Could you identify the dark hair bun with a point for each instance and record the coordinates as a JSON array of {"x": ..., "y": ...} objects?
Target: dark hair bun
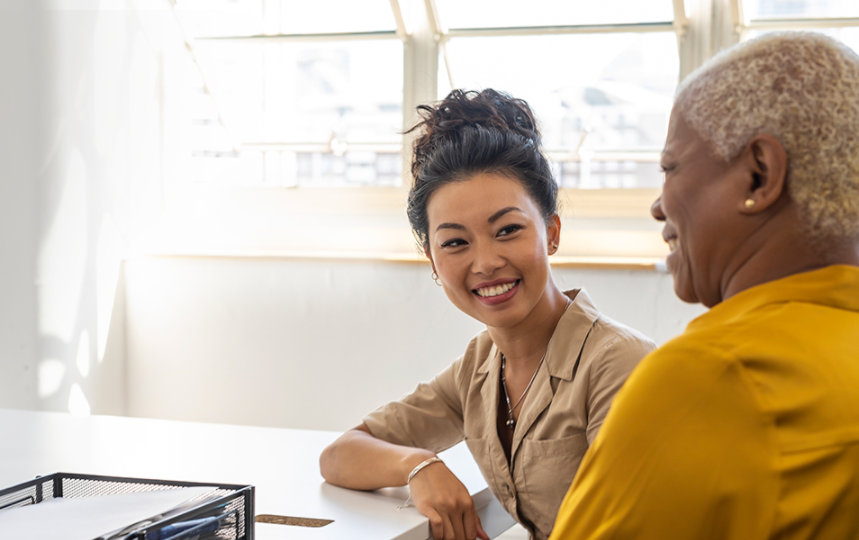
[
  {"x": 488, "y": 108},
  {"x": 472, "y": 132}
]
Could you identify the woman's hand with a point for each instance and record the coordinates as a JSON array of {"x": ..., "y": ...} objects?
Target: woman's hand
[
  {"x": 357, "y": 460},
  {"x": 439, "y": 495}
]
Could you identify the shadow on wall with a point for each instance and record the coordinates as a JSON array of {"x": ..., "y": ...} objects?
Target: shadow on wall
[{"x": 99, "y": 181}]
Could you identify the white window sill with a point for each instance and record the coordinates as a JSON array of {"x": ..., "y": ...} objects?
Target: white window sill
[{"x": 601, "y": 228}]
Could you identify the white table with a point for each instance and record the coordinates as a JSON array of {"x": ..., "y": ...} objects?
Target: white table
[{"x": 282, "y": 464}]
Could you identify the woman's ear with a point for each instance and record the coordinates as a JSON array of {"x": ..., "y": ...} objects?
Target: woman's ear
[
  {"x": 768, "y": 173},
  {"x": 553, "y": 233},
  {"x": 429, "y": 256}
]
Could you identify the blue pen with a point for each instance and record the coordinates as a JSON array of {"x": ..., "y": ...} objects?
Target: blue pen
[{"x": 187, "y": 529}]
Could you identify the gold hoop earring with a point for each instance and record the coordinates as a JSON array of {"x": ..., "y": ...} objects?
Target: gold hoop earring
[
  {"x": 749, "y": 203},
  {"x": 435, "y": 278}
]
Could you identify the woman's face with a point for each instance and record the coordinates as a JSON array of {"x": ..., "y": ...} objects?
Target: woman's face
[
  {"x": 489, "y": 244},
  {"x": 697, "y": 206}
]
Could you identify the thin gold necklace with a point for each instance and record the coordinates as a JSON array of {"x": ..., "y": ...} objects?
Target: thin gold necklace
[{"x": 511, "y": 422}]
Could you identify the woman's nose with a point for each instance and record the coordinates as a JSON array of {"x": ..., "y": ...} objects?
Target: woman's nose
[
  {"x": 486, "y": 258},
  {"x": 656, "y": 209}
]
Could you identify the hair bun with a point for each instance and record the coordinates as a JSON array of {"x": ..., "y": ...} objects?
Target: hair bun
[
  {"x": 490, "y": 109},
  {"x": 471, "y": 132}
]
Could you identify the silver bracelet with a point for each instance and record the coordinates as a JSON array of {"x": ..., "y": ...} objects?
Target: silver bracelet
[{"x": 421, "y": 465}]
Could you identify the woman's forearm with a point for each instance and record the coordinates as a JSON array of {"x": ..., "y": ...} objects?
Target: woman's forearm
[{"x": 357, "y": 460}]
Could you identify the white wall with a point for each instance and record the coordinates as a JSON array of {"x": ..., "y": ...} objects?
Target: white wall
[
  {"x": 18, "y": 225},
  {"x": 317, "y": 344},
  {"x": 81, "y": 153}
]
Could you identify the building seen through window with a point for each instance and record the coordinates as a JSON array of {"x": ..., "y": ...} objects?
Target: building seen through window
[
  {"x": 307, "y": 94},
  {"x": 319, "y": 102}
]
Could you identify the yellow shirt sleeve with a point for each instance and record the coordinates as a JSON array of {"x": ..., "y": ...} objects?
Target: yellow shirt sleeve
[{"x": 686, "y": 452}]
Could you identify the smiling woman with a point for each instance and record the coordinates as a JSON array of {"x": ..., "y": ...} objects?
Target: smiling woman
[
  {"x": 700, "y": 234},
  {"x": 490, "y": 249},
  {"x": 530, "y": 393},
  {"x": 747, "y": 424}
]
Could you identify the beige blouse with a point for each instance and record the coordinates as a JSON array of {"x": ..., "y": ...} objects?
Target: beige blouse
[{"x": 588, "y": 359}]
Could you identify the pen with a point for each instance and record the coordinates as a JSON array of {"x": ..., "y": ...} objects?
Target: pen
[
  {"x": 125, "y": 531},
  {"x": 185, "y": 529}
]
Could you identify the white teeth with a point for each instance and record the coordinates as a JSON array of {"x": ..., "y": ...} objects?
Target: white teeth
[
  {"x": 672, "y": 244},
  {"x": 495, "y": 290}
]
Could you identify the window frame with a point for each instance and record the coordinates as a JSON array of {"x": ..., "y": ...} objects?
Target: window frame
[{"x": 702, "y": 27}]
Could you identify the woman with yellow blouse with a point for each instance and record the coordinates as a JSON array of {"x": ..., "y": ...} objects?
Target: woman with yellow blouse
[
  {"x": 746, "y": 426},
  {"x": 530, "y": 393}
]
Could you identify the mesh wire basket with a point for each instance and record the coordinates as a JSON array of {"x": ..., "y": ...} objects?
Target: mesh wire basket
[{"x": 224, "y": 513}]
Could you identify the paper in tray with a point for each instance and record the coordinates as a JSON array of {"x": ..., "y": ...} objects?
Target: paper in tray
[{"x": 68, "y": 506}]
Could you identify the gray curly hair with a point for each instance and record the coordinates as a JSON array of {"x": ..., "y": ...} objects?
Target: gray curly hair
[{"x": 803, "y": 89}]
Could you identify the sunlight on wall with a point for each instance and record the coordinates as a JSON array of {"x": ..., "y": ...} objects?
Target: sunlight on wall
[
  {"x": 51, "y": 375},
  {"x": 108, "y": 263},
  {"x": 83, "y": 357},
  {"x": 78, "y": 403},
  {"x": 62, "y": 258},
  {"x": 108, "y": 63}
]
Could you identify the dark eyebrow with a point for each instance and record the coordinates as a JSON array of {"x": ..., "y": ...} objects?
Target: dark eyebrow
[
  {"x": 450, "y": 226},
  {"x": 497, "y": 215},
  {"x": 492, "y": 219}
]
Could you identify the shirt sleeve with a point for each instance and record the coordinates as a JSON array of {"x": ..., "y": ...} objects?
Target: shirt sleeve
[
  {"x": 685, "y": 452},
  {"x": 430, "y": 417}
]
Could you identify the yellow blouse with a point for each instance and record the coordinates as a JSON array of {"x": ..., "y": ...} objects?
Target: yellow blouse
[
  {"x": 588, "y": 359},
  {"x": 744, "y": 427}
]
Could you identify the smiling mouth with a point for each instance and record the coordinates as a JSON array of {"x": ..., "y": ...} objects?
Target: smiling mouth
[
  {"x": 672, "y": 243},
  {"x": 495, "y": 290}
]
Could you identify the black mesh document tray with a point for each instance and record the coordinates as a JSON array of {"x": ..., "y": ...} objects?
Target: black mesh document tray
[{"x": 225, "y": 513}]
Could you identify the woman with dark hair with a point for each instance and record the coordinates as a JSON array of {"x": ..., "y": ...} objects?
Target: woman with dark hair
[{"x": 530, "y": 392}]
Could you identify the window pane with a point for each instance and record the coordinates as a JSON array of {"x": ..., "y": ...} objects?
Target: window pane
[
  {"x": 608, "y": 173},
  {"x": 358, "y": 168},
  {"x": 307, "y": 92},
  {"x": 251, "y": 17},
  {"x": 849, "y": 36},
  {"x": 593, "y": 94},
  {"x": 515, "y": 13},
  {"x": 302, "y": 112},
  {"x": 793, "y": 9}
]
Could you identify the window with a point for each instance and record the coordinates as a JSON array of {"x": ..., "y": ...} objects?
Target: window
[
  {"x": 602, "y": 99},
  {"x": 837, "y": 18},
  {"x": 296, "y": 104},
  {"x": 600, "y": 77},
  {"x": 295, "y": 94},
  {"x": 312, "y": 94}
]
